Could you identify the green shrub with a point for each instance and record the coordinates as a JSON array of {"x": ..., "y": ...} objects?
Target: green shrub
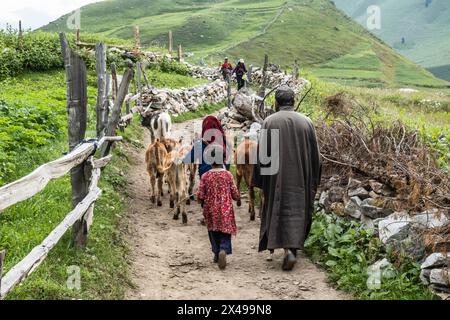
[
  {"x": 41, "y": 51},
  {"x": 22, "y": 129},
  {"x": 10, "y": 62},
  {"x": 347, "y": 250},
  {"x": 35, "y": 51},
  {"x": 170, "y": 66}
]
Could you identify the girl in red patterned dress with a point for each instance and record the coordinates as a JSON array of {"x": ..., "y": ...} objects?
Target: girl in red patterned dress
[{"x": 217, "y": 192}]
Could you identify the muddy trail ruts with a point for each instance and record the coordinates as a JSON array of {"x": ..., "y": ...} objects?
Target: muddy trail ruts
[{"x": 173, "y": 261}]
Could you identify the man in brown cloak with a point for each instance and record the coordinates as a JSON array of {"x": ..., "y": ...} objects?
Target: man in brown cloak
[{"x": 289, "y": 179}]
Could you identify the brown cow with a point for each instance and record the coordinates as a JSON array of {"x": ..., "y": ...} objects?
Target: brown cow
[
  {"x": 176, "y": 172},
  {"x": 246, "y": 152},
  {"x": 154, "y": 159},
  {"x": 191, "y": 171}
]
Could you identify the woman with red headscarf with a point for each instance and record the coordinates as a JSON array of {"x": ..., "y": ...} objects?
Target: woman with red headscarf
[
  {"x": 212, "y": 133},
  {"x": 216, "y": 194}
]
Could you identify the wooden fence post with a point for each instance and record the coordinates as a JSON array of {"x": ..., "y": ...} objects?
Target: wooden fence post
[
  {"x": 139, "y": 71},
  {"x": 102, "y": 95},
  {"x": 76, "y": 75},
  {"x": 108, "y": 100},
  {"x": 296, "y": 70},
  {"x": 20, "y": 39},
  {"x": 78, "y": 37},
  {"x": 262, "y": 92},
  {"x": 180, "y": 53},
  {"x": 114, "y": 81},
  {"x": 2, "y": 258},
  {"x": 137, "y": 39},
  {"x": 115, "y": 115},
  {"x": 170, "y": 42}
]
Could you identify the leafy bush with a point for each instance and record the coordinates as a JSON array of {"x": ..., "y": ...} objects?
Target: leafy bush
[
  {"x": 439, "y": 141},
  {"x": 35, "y": 51},
  {"x": 170, "y": 66},
  {"x": 41, "y": 51},
  {"x": 10, "y": 63},
  {"x": 23, "y": 129},
  {"x": 347, "y": 250}
]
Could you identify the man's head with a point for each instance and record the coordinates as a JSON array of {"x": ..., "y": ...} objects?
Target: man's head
[
  {"x": 284, "y": 97},
  {"x": 226, "y": 59}
]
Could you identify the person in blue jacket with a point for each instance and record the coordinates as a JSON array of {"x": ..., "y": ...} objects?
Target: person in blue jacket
[{"x": 212, "y": 132}]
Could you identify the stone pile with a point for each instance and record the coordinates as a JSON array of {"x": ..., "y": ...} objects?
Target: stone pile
[
  {"x": 178, "y": 101},
  {"x": 376, "y": 206},
  {"x": 276, "y": 78},
  {"x": 240, "y": 115},
  {"x": 198, "y": 72},
  {"x": 436, "y": 272},
  {"x": 154, "y": 57}
]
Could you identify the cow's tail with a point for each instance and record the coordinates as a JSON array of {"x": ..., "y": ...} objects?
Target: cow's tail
[
  {"x": 165, "y": 124},
  {"x": 159, "y": 164},
  {"x": 147, "y": 157},
  {"x": 177, "y": 178}
]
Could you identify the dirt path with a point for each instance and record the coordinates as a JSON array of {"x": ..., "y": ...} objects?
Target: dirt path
[{"x": 172, "y": 261}]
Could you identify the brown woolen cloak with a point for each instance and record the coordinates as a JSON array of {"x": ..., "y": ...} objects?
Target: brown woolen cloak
[{"x": 289, "y": 194}]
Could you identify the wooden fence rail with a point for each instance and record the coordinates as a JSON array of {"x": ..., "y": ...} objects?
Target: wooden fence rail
[
  {"x": 36, "y": 181},
  {"x": 80, "y": 163}
]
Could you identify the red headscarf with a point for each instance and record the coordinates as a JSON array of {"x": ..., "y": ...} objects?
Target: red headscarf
[{"x": 212, "y": 123}]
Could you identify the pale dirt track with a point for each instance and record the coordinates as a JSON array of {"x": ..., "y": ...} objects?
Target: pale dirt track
[{"x": 172, "y": 261}]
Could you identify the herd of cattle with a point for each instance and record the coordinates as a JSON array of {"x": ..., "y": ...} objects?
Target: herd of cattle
[{"x": 164, "y": 164}]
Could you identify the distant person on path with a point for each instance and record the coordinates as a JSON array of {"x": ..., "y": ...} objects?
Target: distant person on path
[
  {"x": 240, "y": 71},
  {"x": 290, "y": 192},
  {"x": 226, "y": 69},
  {"x": 216, "y": 194}
]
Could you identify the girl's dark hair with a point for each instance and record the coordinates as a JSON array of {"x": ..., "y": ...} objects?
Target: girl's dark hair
[{"x": 217, "y": 154}]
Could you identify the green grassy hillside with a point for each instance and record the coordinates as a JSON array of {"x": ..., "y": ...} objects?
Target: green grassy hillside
[
  {"x": 424, "y": 25},
  {"x": 322, "y": 38}
]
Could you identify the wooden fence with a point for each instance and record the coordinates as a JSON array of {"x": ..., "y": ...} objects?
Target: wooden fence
[
  {"x": 84, "y": 168},
  {"x": 80, "y": 162}
]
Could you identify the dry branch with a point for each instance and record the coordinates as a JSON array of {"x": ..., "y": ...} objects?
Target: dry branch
[{"x": 352, "y": 141}]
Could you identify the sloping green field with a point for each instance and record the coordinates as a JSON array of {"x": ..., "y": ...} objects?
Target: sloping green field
[
  {"x": 424, "y": 25},
  {"x": 322, "y": 38}
]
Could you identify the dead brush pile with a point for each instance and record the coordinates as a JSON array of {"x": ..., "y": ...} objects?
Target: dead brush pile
[{"x": 354, "y": 142}]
